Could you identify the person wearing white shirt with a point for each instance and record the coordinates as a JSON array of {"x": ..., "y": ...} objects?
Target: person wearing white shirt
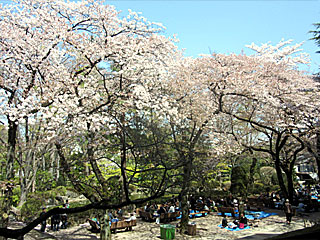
[{"x": 171, "y": 209}]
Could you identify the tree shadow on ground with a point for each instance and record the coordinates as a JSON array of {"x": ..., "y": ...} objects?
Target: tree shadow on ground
[{"x": 259, "y": 236}]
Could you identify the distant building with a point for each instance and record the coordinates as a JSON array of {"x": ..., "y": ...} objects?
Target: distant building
[{"x": 305, "y": 169}]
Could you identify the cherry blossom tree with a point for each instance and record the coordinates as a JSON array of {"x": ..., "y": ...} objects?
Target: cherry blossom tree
[
  {"x": 267, "y": 91},
  {"x": 80, "y": 69},
  {"x": 194, "y": 125}
]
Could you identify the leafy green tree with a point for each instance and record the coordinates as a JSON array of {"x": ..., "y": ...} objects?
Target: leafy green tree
[
  {"x": 239, "y": 181},
  {"x": 316, "y": 34}
]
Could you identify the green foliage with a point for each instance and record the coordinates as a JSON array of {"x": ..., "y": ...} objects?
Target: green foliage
[
  {"x": 35, "y": 201},
  {"x": 79, "y": 218},
  {"x": 16, "y": 195},
  {"x": 32, "y": 207},
  {"x": 59, "y": 191},
  {"x": 239, "y": 181},
  {"x": 223, "y": 171},
  {"x": 316, "y": 34},
  {"x": 226, "y": 185},
  {"x": 259, "y": 188},
  {"x": 44, "y": 180},
  {"x": 268, "y": 175}
]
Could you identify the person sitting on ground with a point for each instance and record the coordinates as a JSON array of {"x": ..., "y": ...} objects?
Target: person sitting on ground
[
  {"x": 208, "y": 202},
  {"x": 96, "y": 221},
  {"x": 243, "y": 221},
  {"x": 200, "y": 200},
  {"x": 206, "y": 208},
  {"x": 95, "y": 225},
  {"x": 224, "y": 222},
  {"x": 300, "y": 207},
  {"x": 232, "y": 225}
]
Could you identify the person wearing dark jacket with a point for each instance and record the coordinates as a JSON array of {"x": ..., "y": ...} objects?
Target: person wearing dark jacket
[
  {"x": 64, "y": 219},
  {"x": 161, "y": 209},
  {"x": 243, "y": 220},
  {"x": 288, "y": 211},
  {"x": 44, "y": 222},
  {"x": 55, "y": 221},
  {"x": 224, "y": 222}
]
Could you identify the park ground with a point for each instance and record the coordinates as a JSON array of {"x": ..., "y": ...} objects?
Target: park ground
[{"x": 207, "y": 228}]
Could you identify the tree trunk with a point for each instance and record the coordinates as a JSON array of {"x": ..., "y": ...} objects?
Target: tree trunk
[
  {"x": 28, "y": 169},
  {"x": 317, "y": 156},
  {"x": 290, "y": 186},
  {"x": 123, "y": 178},
  {"x": 280, "y": 178},
  {"x": 6, "y": 202},
  {"x": 184, "y": 196},
  {"x": 5, "y": 206},
  {"x": 76, "y": 184},
  {"x": 251, "y": 182},
  {"x": 12, "y": 140},
  {"x": 23, "y": 197},
  {"x": 105, "y": 233}
]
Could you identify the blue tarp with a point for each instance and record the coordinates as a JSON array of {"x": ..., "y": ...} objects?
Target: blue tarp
[
  {"x": 252, "y": 214},
  {"x": 195, "y": 215},
  {"x": 236, "y": 229},
  {"x": 315, "y": 197}
]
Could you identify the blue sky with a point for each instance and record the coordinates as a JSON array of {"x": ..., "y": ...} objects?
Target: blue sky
[{"x": 227, "y": 26}]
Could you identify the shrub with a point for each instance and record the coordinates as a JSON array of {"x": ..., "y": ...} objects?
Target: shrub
[
  {"x": 226, "y": 185},
  {"x": 78, "y": 218},
  {"x": 259, "y": 187},
  {"x": 239, "y": 181},
  {"x": 32, "y": 208},
  {"x": 16, "y": 195},
  {"x": 35, "y": 201}
]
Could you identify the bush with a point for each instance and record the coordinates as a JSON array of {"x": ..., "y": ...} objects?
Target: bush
[
  {"x": 79, "y": 218},
  {"x": 259, "y": 187},
  {"x": 16, "y": 195},
  {"x": 35, "y": 201},
  {"x": 239, "y": 181},
  {"x": 32, "y": 207},
  {"x": 226, "y": 185},
  {"x": 218, "y": 194}
]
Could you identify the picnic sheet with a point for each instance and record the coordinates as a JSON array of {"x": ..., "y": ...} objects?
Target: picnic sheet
[
  {"x": 195, "y": 215},
  {"x": 236, "y": 229},
  {"x": 315, "y": 197},
  {"x": 252, "y": 214}
]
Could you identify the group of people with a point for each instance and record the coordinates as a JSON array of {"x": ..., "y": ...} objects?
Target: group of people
[
  {"x": 114, "y": 216},
  {"x": 56, "y": 219},
  {"x": 164, "y": 208},
  {"x": 117, "y": 215},
  {"x": 158, "y": 210},
  {"x": 242, "y": 222}
]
